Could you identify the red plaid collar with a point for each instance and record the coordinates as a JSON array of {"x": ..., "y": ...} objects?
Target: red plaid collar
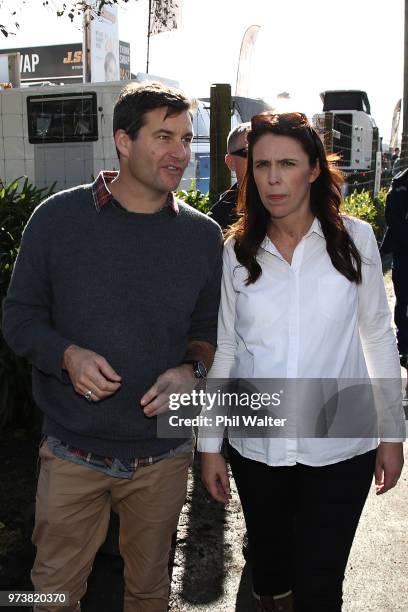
[{"x": 102, "y": 195}]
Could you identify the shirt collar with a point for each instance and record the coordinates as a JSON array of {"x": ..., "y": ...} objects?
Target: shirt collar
[
  {"x": 102, "y": 195},
  {"x": 315, "y": 228}
]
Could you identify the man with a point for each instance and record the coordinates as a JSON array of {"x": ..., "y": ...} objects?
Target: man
[
  {"x": 395, "y": 155},
  {"x": 114, "y": 300},
  {"x": 224, "y": 210},
  {"x": 396, "y": 242}
]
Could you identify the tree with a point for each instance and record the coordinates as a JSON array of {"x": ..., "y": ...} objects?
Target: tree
[{"x": 68, "y": 9}]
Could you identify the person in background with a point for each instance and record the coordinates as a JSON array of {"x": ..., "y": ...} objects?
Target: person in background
[
  {"x": 224, "y": 210},
  {"x": 110, "y": 67},
  {"x": 114, "y": 300},
  {"x": 396, "y": 242},
  {"x": 302, "y": 299},
  {"x": 395, "y": 155}
]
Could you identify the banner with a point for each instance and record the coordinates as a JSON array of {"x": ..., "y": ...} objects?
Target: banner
[
  {"x": 55, "y": 63},
  {"x": 395, "y": 125},
  {"x": 61, "y": 63},
  {"x": 104, "y": 46},
  {"x": 245, "y": 60},
  {"x": 124, "y": 61},
  {"x": 164, "y": 15}
]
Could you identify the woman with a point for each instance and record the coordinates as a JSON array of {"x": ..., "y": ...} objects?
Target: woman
[{"x": 302, "y": 298}]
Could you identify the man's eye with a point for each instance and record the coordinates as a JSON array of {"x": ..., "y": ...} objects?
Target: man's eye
[
  {"x": 261, "y": 164},
  {"x": 188, "y": 140},
  {"x": 163, "y": 137},
  {"x": 287, "y": 162}
]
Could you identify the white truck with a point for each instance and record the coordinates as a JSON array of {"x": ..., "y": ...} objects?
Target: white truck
[
  {"x": 348, "y": 130},
  {"x": 63, "y": 134}
]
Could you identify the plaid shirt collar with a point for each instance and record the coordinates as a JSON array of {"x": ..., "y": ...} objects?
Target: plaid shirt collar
[{"x": 102, "y": 195}]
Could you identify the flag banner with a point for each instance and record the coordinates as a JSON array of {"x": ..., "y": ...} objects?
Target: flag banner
[
  {"x": 245, "y": 61},
  {"x": 164, "y": 15},
  {"x": 395, "y": 125}
]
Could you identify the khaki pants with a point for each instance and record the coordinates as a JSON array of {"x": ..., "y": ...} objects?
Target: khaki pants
[{"x": 72, "y": 515}]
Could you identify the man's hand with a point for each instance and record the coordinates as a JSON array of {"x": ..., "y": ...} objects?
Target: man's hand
[
  {"x": 388, "y": 466},
  {"x": 89, "y": 371},
  {"x": 176, "y": 380},
  {"x": 214, "y": 475}
]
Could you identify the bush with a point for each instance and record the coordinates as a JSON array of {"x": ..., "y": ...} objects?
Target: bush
[
  {"x": 361, "y": 205},
  {"x": 195, "y": 198},
  {"x": 17, "y": 202}
]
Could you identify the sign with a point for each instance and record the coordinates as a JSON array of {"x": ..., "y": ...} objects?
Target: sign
[
  {"x": 55, "y": 63},
  {"x": 104, "y": 46},
  {"x": 124, "y": 61},
  {"x": 60, "y": 63}
]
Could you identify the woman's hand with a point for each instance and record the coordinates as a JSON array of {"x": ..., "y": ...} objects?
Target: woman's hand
[
  {"x": 214, "y": 475},
  {"x": 388, "y": 466}
]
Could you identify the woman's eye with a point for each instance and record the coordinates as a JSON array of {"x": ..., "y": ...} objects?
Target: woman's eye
[{"x": 163, "y": 137}]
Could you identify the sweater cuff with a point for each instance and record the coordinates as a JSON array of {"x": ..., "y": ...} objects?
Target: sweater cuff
[{"x": 51, "y": 360}]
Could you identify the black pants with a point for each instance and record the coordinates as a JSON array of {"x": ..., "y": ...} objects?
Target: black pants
[
  {"x": 400, "y": 281},
  {"x": 301, "y": 522}
]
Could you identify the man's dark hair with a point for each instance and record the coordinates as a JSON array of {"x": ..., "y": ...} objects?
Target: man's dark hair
[{"x": 137, "y": 99}]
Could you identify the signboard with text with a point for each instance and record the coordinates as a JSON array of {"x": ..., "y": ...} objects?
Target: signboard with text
[
  {"x": 61, "y": 63},
  {"x": 104, "y": 46},
  {"x": 55, "y": 63}
]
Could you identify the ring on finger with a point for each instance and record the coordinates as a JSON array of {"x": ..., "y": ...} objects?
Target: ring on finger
[{"x": 88, "y": 395}]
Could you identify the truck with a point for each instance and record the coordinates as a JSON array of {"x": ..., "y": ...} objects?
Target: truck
[
  {"x": 62, "y": 134},
  {"x": 349, "y": 131}
]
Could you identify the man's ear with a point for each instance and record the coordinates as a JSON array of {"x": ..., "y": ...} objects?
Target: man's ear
[
  {"x": 315, "y": 173},
  {"x": 230, "y": 162},
  {"x": 122, "y": 142}
]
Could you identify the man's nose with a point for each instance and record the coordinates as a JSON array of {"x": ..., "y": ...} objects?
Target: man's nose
[{"x": 180, "y": 150}]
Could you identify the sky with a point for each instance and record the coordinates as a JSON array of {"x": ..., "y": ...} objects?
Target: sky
[{"x": 303, "y": 47}]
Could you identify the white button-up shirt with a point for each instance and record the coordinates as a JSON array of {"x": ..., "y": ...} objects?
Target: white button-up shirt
[{"x": 305, "y": 320}]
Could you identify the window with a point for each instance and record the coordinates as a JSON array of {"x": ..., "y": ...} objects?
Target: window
[
  {"x": 343, "y": 143},
  {"x": 62, "y": 118}
]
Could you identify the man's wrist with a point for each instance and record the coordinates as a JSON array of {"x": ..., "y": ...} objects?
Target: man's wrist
[
  {"x": 188, "y": 368},
  {"x": 67, "y": 354},
  {"x": 198, "y": 367}
]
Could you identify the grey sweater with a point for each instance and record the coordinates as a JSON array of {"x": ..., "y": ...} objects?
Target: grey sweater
[{"x": 135, "y": 288}]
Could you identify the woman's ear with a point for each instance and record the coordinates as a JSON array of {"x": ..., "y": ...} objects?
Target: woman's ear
[{"x": 315, "y": 172}]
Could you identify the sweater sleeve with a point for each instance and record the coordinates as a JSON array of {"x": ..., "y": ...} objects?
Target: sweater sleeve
[
  {"x": 27, "y": 319},
  {"x": 204, "y": 318}
]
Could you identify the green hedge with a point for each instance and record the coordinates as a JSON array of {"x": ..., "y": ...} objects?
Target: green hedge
[
  {"x": 195, "y": 198},
  {"x": 17, "y": 202},
  {"x": 362, "y": 206}
]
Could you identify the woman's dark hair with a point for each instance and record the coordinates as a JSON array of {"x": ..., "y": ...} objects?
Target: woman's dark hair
[{"x": 325, "y": 199}]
